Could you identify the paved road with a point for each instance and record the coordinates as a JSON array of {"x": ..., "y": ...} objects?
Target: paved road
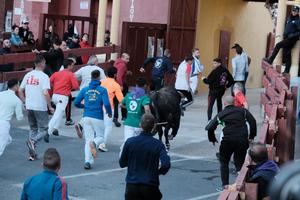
[{"x": 194, "y": 174}]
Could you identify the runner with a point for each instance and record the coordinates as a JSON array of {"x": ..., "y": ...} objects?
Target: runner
[
  {"x": 114, "y": 90},
  {"x": 9, "y": 104},
  {"x": 137, "y": 103},
  {"x": 94, "y": 97},
  {"x": 62, "y": 83},
  {"x": 37, "y": 99}
]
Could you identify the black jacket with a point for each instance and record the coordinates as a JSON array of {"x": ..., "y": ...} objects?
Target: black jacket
[
  {"x": 54, "y": 60},
  {"x": 292, "y": 28},
  {"x": 234, "y": 121},
  {"x": 23, "y": 33},
  {"x": 161, "y": 66},
  {"x": 219, "y": 79},
  {"x": 6, "y": 67}
]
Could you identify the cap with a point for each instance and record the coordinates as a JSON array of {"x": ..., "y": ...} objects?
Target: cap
[
  {"x": 25, "y": 20},
  {"x": 295, "y": 9},
  {"x": 235, "y": 46}
]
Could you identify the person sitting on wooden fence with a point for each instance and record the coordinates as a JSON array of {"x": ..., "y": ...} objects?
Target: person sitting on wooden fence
[
  {"x": 5, "y": 67},
  {"x": 263, "y": 170},
  {"x": 15, "y": 39}
]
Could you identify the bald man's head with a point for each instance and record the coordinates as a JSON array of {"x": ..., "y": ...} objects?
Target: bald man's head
[
  {"x": 228, "y": 100},
  {"x": 258, "y": 152}
]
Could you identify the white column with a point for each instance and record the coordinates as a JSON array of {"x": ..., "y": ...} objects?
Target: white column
[
  {"x": 280, "y": 27},
  {"x": 115, "y": 23},
  {"x": 101, "y": 22}
]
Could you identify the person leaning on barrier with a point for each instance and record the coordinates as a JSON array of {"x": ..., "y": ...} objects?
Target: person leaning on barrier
[
  {"x": 262, "y": 171},
  {"x": 235, "y": 136}
]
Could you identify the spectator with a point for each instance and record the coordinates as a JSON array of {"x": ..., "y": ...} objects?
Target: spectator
[
  {"x": 50, "y": 36},
  {"x": 84, "y": 43},
  {"x": 64, "y": 46},
  {"x": 24, "y": 31},
  {"x": 122, "y": 73},
  {"x": 239, "y": 67},
  {"x": 62, "y": 83},
  {"x": 69, "y": 34},
  {"x": 107, "y": 38},
  {"x": 235, "y": 136},
  {"x": 136, "y": 103},
  {"x": 95, "y": 98},
  {"x": 218, "y": 80},
  {"x": 37, "y": 101},
  {"x": 263, "y": 170},
  {"x": 5, "y": 67},
  {"x": 47, "y": 185},
  {"x": 239, "y": 97},
  {"x": 246, "y": 58},
  {"x": 31, "y": 40},
  {"x": 290, "y": 37},
  {"x": 162, "y": 65},
  {"x": 9, "y": 104},
  {"x": 145, "y": 158},
  {"x": 74, "y": 44},
  {"x": 15, "y": 39}
]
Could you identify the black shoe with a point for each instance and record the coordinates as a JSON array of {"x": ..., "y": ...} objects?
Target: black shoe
[
  {"x": 69, "y": 123},
  {"x": 55, "y": 132},
  {"x": 117, "y": 124},
  {"x": 46, "y": 138},
  {"x": 123, "y": 118},
  {"x": 87, "y": 165},
  {"x": 31, "y": 146}
]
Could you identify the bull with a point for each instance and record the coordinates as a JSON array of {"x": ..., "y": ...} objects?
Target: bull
[{"x": 167, "y": 111}]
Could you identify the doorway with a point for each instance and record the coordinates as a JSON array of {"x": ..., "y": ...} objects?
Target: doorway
[{"x": 224, "y": 47}]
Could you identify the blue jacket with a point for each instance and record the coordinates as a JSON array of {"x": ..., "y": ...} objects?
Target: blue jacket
[
  {"x": 161, "y": 66},
  {"x": 141, "y": 154},
  {"x": 46, "y": 185},
  {"x": 15, "y": 39},
  {"x": 94, "y": 97}
]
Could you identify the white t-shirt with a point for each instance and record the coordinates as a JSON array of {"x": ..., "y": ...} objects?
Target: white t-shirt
[
  {"x": 181, "y": 82},
  {"x": 34, "y": 83},
  {"x": 84, "y": 74},
  {"x": 239, "y": 68}
]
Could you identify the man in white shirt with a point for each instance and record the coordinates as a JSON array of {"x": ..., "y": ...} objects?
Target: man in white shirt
[
  {"x": 84, "y": 73},
  {"x": 239, "y": 67},
  {"x": 197, "y": 68},
  {"x": 183, "y": 83},
  {"x": 9, "y": 104},
  {"x": 37, "y": 101}
]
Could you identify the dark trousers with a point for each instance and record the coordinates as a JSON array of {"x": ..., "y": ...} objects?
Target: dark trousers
[
  {"x": 189, "y": 97},
  {"x": 68, "y": 109},
  {"x": 116, "y": 104},
  {"x": 239, "y": 150},
  {"x": 142, "y": 192},
  {"x": 157, "y": 83},
  {"x": 212, "y": 97},
  {"x": 287, "y": 46}
]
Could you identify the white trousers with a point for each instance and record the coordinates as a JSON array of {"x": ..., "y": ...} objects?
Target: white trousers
[
  {"x": 130, "y": 131},
  {"x": 194, "y": 83},
  {"x": 108, "y": 124},
  {"x": 61, "y": 103},
  {"x": 93, "y": 130},
  {"x": 5, "y": 138}
]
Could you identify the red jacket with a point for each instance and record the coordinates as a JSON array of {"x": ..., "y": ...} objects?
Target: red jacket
[
  {"x": 82, "y": 44},
  {"x": 63, "y": 82},
  {"x": 122, "y": 71}
]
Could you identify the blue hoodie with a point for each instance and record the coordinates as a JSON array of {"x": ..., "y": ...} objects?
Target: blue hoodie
[{"x": 94, "y": 97}]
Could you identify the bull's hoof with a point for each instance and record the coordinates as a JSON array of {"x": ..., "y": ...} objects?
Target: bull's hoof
[{"x": 171, "y": 137}]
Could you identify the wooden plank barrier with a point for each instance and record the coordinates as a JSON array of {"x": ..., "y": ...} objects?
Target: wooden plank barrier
[
  {"x": 23, "y": 62},
  {"x": 277, "y": 131}
]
